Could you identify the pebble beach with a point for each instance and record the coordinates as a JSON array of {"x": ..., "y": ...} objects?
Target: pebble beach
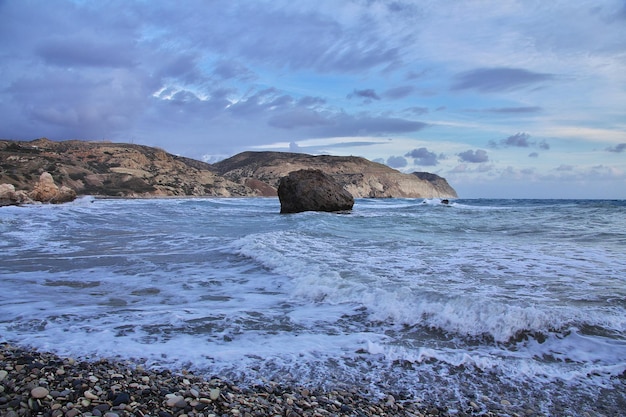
[{"x": 34, "y": 383}]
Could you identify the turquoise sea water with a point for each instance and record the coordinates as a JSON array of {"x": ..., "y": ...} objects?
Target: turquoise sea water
[{"x": 479, "y": 300}]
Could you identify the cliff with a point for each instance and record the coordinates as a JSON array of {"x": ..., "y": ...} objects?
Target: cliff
[{"x": 128, "y": 170}]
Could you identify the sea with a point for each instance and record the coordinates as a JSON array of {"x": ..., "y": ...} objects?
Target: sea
[{"x": 512, "y": 305}]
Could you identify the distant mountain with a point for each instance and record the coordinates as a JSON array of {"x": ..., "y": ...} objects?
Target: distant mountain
[{"x": 128, "y": 170}]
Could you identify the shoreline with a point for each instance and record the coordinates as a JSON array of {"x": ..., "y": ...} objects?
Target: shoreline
[{"x": 33, "y": 382}]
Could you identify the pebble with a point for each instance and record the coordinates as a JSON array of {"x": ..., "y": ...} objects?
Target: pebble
[
  {"x": 173, "y": 400},
  {"x": 73, "y": 413},
  {"x": 39, "y": 392},
  {"x": 115, "y": 389},
  {"x": 90, "y": 395},
  {"x": 214, "y": 394}
]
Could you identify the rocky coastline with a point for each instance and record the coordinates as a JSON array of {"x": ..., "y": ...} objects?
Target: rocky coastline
[
  {"x": 131, "y": 171},
  {"x": 34, "y": 383}
]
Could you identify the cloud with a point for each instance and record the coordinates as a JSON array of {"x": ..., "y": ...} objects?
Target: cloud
[
  {"x": 83, "y": 53},
  {"x": 477, "y": 156},
  {"x": 230, "y": 69},
  {"x": 423, "y": 157},
  {"x": 367, "y": 94},
  {"x": 298, "y": 118},
  {"x": 294, "y": 147},
  {"x": 533, "y": 155},
  {"x": 514, "y": 110},
  {"x": 399, "y": 92},
  {"x": 343, "y": 124},
  {"x": 62, "y": 103},
  {"x": 276, "y": 34},
  {"x": 617, "y": 148},
  {"x": 416, "y": 110},
  {"x": 519, "y": 140},
  {"x": 397, "y": 162},
  {"x": 489, "y": 80}
]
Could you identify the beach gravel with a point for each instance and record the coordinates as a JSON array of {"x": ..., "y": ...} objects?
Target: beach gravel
[{"x": 34, "y": 383}]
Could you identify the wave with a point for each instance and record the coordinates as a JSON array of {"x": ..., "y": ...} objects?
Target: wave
[{"x": 395, "y": 290}]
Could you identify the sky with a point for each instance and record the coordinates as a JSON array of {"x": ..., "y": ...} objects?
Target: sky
[{"x": 503, "y": 98}]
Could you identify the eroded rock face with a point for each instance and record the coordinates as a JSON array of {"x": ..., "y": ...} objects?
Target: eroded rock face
[{"x": 312, "y": 190}]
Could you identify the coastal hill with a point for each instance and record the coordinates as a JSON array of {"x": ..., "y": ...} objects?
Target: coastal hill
[
  {"x": 129, "y": 170},
  {"x": 359, "y": 176}
]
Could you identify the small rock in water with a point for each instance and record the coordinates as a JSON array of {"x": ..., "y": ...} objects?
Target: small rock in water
[
  {"x": 3, "y": 374},
  {"x": 39, "y": 392}
]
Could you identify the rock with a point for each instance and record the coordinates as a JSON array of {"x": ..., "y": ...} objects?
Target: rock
[
  {"x": 121, "y": 398},
  {"x": 45, "y": 189},
  {"x": 3, "y": 374},
  {"x": 65, "y": 195},
  {"x": 10, "y": 197},
  {"x": 90, "y": 395},
  {"x": 312, "y": 190},
  {"x": 174, "y": 400},
  {"x": 214, "y": 394},
  {"x": 39, "y": 392},
  {"x": 440, "y": 186}
]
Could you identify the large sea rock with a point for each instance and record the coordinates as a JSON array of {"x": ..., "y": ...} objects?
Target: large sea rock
[{"x": 312, "y": 190}]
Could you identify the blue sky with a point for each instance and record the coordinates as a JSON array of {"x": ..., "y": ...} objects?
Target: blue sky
[{"x": 511, "y": 99}]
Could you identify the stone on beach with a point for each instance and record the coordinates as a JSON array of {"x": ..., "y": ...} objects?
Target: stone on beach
[
  {"x": 39, "y": 392},
  {"x": 116, "y": 389}
]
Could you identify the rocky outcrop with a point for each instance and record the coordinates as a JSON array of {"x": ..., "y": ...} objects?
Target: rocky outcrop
[
  {"x": 10, "y": 197},
  {"x": 438, "y": 183},
  {"x": 312, "y": 190},
  {"x": 46, "y": 191},
  {"x": 359, "y": 176}
]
